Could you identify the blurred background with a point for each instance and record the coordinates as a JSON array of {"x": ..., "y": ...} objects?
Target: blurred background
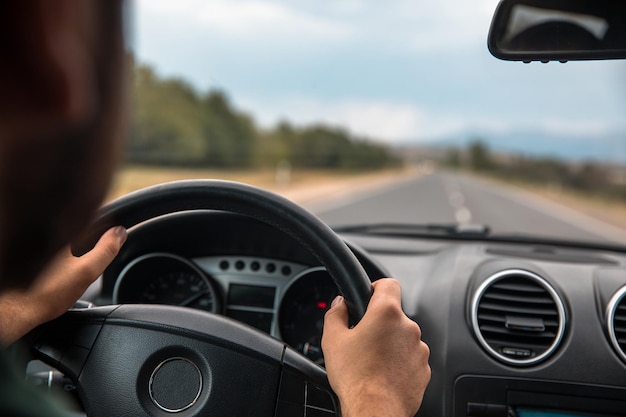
[{"x": 306, "y": 94}]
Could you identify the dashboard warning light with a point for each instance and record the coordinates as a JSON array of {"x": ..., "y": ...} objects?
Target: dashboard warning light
[{"x": 322, "y": 305}]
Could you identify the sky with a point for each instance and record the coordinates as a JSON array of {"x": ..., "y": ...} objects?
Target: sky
[{"x": 396, "y": 71}]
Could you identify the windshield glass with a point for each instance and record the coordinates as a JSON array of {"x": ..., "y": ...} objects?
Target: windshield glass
[{"x": 377, "y": 112}]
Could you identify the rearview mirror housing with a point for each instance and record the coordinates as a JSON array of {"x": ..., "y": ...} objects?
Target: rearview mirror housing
[{"x": 558, "y": 30}]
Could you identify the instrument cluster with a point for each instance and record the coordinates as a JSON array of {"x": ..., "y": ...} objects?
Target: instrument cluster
[{"x": 285, "y": 299}]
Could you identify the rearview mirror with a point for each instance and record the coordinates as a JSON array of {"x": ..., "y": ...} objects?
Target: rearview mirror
[{"x": 558, "y": 30}]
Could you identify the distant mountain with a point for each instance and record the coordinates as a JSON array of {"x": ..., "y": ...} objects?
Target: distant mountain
[{"x": 606, "y": 147}]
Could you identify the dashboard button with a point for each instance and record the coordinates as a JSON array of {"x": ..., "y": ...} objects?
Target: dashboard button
[
  {"x": 486, "y": 410},
  {"x": 284, "y": 409},
  {"x": 292, "y": 388},
  {"x": 318, "y": 397}
]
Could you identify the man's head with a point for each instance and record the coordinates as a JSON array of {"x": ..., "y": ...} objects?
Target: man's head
[{"x": 62, "y": 100}]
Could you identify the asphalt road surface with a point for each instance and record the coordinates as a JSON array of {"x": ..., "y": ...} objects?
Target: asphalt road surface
[{"x": 453, "y": 198}]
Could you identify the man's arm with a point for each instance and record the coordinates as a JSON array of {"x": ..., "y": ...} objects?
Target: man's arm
[
  {"x": 380, "y": 367},
  {"x": 57, "y": 288}
]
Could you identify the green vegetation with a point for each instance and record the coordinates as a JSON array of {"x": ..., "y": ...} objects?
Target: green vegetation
[
  {"x": 175, "y": 125},
  {"x": 588, "y": 177}
]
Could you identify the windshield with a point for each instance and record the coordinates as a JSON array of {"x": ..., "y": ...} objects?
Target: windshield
[{"x": 377, "y": 112}]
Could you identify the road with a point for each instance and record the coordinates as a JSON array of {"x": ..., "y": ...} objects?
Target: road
[{"x": 448, "y": 197}]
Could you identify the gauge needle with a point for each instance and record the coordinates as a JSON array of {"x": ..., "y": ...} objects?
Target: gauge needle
[
  {"x": 309, "y": 348},
  {"x": 192, "y": 298}
]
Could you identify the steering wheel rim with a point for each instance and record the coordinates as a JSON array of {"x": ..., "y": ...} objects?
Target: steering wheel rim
[{"x": 332, "y": 252}]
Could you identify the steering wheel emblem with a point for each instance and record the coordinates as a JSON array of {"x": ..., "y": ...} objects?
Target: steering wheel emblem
[{"x": 175, "y": 384}]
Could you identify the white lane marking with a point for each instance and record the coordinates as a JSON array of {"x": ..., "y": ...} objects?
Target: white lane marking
[
  {"x": 462, "y": 214},
  {"x": 556, "y": 210}
]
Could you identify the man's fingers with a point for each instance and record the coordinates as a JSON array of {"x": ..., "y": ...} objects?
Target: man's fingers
[
  {"x": 97, "y": 259},
  {"x": 336, "y": 318}
]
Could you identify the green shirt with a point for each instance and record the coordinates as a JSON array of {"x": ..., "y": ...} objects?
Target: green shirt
[{"x": 17, "y": 399}]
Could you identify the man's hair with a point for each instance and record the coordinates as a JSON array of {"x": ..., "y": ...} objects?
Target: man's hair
[{"x": 36, "y": 206}]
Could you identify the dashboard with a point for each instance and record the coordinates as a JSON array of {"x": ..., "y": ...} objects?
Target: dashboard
[
  {"x": 515, "y": 329},
  {"x": 230, "y": 265}
]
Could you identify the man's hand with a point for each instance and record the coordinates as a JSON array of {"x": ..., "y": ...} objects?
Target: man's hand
[
  {"x": 57, "y": 288},
  {"x": 379, "y": 367}
]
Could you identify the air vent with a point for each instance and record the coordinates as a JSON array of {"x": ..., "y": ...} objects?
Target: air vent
[
  {"x": 616, "y": 322},
  {"x": 518, "y": 317}
]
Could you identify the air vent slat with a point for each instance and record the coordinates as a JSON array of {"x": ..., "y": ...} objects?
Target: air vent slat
[
  {"x": 517, "y": 298},
  {"x": 502, "y": 319},
  {"x": 516, "y": 334},
  {"x": 519, "y": 287},
  {"x": 535, "y": 347},
  {"x": 518, "y": 309},
  {"x": 518, "y": 317}
]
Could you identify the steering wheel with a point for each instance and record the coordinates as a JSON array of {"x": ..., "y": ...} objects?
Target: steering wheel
[{"x": 162, "y": 360}]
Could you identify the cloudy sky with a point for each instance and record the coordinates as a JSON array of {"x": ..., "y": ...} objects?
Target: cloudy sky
[{"x": 395, "y": 70}]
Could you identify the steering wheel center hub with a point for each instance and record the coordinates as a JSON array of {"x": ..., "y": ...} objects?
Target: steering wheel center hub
[{"x": 175, "y": 385}]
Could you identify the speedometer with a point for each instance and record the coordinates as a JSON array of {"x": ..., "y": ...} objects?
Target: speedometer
[{"x": 165, "y": 279}]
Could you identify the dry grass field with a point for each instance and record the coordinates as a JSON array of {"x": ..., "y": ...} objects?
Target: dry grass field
[
  {"x": 608, "y": 210},
  {"x": 301, "y": 187}
]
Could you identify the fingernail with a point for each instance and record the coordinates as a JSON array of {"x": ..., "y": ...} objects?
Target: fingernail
[
  {"x": 121, "y": 234},
  {"x": 336, "y": 301}
]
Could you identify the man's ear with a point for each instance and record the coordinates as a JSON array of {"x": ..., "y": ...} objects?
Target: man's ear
[{"x": 47, "y": 77}]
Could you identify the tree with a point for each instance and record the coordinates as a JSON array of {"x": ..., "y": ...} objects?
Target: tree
[
  {"x": 229, "y": 136},
  {"x": 453, "y": 158},
  {"x": 167, "y": 126},
  {"x": 176, "y": 125},
  {"x": 480, "y": 156}
]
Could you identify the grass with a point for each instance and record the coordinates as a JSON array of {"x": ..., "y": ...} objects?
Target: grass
[{"x": 609, "y": 210}]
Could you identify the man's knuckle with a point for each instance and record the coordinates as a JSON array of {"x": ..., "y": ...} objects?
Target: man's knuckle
[
  {"x": 389, "y": 307},
  {"x": 329, "y": 314},
  {"x": 413, "y": 327},
  {"x": 388, "y": 283},
  {"x": 111, "y": 250}
]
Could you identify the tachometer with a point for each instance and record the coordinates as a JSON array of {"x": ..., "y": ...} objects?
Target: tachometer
[
  {"x": 301, "y": 314},
  {"x": 165, "y": 279}
]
